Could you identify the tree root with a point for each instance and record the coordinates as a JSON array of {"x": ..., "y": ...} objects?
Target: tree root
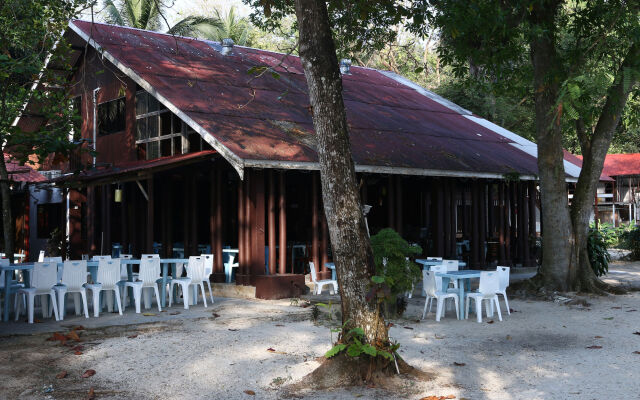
[{"x": 344, "y": 371}]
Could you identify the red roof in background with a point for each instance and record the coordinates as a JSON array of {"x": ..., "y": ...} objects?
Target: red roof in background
[
  {"x": 22, "y": 173},
  {"x": 268, "y": 119},
  {"x": 621, "y": 164},
  {"x": 577, "y": 160}
]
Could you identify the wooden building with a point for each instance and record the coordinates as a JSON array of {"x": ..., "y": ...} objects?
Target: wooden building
[{"x": 202, "y": 145}]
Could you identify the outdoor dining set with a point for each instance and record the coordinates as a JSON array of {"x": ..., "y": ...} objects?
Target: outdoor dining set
[
  {"x": 443, "y": 280},
  {"x": 51, "y": 280}
]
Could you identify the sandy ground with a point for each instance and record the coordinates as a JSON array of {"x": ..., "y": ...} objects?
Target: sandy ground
[{"x": 541, "y": 351}]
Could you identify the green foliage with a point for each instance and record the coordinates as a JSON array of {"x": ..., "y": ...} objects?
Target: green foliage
[
  {"x": 353, "y": 341},
  {"x": 151, "y": 15},
  {"x": 631, "y": 241},
  {"x": 390, "y": 253},
  {"x": 598, "y": 255},
  {"x": 613, "y": 236}
]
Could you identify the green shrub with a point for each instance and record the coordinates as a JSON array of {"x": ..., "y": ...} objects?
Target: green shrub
[
  {"x": 398, "y": 274},
  {"x": 598, "y": 254},
  {"x": 613, "y": 236},
  {"x": 631, "y": 241}
]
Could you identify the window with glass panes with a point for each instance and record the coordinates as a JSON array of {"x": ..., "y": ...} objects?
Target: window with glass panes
[{"x": 159, "y": 133}]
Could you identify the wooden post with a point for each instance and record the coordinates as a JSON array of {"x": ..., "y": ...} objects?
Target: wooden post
[
  {"x": 454, "y": 218},
  {"x": 490, "y": 212},
  {"x": 439, "y": 187},
  {"x": 391, "y": 206},
  {"x": 314, "y": 222},
  {"x": 272, "y": 224},
  {"x": 324, "y": 244},
  {"x": 532, "y": 222},
  {"x": 168, "y": 198},
  {"x": 193, "y": 208},
  {"x": 257, "y": 226},
  {"x": 241, "y": 231},
  {"x": 124, "y": 221},
  {"x": 507, "y": 223},
  {"x": 91, "y": 219},
  {"x": 483, "y": 222},
  {"x": 399, "y": 206},
  {"x": 525, "y": 226},
  {"x": 521, "y": 223},
  {"x": 501, "y": 222},
  {"x": 217, "y": 248},
  {"x": 150, "y": 211},
  {"x": 446, "y": 232},
  {"x": 283, "y": 224},
  {"x": 475, "y": 222},
  {"x": 514, "y": 222}
]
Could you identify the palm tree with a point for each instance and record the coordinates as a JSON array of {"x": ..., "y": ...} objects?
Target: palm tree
[
  {"x": 149, "y": 15},
  {"x": 238, "y": 29}
]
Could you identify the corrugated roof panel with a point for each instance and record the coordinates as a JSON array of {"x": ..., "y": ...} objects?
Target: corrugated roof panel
[{"x": 269, "y": 118}]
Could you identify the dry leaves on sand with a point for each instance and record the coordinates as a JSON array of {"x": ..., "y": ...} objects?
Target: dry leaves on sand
[
  {"x": 439, "y": 397},
  {"x": 132, "y": 336},
  {"x": 459, "y": 364},
  {"x": 636, "y": 352},
  {"x": 62, "y": 375},
  {"x": 250, "y": 392},
  {"x": 91, "y": 395},
  {"x": 594, "y": 347},
  {"x": 88, "y": 373}
]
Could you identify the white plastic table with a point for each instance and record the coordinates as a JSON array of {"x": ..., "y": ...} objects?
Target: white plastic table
[
  {"x": 430, "y": 263},
  {"x": 464, "y": 284}
]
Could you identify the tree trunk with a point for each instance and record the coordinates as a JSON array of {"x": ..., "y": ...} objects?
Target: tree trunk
[
  {"x": 557, "y": 238},
  {"x": 351, "y": 247},
  {"x": 7, "y": 217},
  {"x": 594, "y": 151}
]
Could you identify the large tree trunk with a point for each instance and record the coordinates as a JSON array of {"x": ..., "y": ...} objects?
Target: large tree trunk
[
  {"x": 349, "y": 241},
  {"x": 594, "y": 150},
  {"x": 557, "y": 237},
  {"x": 7, "y": 217}
]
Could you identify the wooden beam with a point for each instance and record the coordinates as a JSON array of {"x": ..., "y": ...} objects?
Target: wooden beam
[
  {"x": 272, "y": 224},
  {"x": 241, "y": 230},
  {"x": 445, "y": 233},
  {"x": 391, "y": 222},
  {"x": 438, "y": 234},
  {"x": 475, "y": 229},
  {"x": 483, "y": 222},
  {"x": 218, "y": 267},
  {"x": 501, "y": 222},
  {"x": 283, "y": 223},
  {"x": 150, "y": 212},
  {"x": 399, "y": 206}
]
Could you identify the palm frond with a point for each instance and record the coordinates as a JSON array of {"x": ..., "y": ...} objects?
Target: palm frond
[
  {"x": 198, "y": 26},
  {"x": 112, "y": 13}
]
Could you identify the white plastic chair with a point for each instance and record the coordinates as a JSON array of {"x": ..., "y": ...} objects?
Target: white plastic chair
[
  {"x": 195, "y": 276},
  {"x": 43, "y": 278},
  {"x": 208, "y": 270},
  {"x": 41, "y": 256},
  {"x": 489, "y": 285},
  {"x": 503, "y": 277},
  {"x": 149, "y": 273},
  {"x": 452, "y": 265},
  {"x": 430, "y": 287},
  {"x": 318, "y": 285},
  {"x": 228, "y": 259},
  {"x": 98, "y": 258},
  {"x": 74, "y": 276},
  {"x": 434, "y": 258},
  {"x": 108, "y": 278}
]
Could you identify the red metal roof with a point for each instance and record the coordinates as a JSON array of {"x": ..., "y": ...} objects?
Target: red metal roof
[
  {"x": 621, "y": 164},
  {"x": 268, "y": 119},
  {"x": 577, "y": 160},
  {"x": 22, "y": 173}
]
